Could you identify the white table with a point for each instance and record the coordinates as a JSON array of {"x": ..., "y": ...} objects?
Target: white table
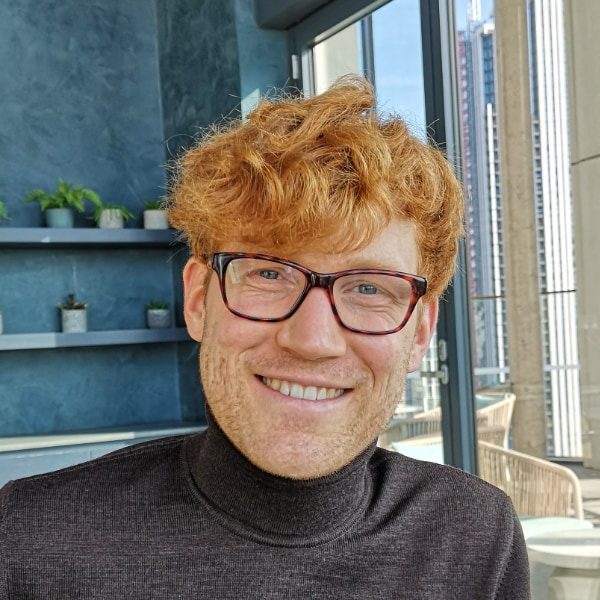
[
  {"x": 575, "y": 556},
  {"x": 535, "y": 526},
  {"x": 429, "y": 452}
]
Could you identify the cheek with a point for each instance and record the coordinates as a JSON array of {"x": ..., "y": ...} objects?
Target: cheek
[
  {"x": 227, "y": 331},
  {"x": 387, "y": 357}
]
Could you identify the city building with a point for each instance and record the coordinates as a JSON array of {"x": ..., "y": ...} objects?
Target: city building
[{"x": 553, "y": 208}]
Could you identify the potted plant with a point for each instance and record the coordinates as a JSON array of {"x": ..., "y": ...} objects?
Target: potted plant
[
  {"x": 1, "y": 322},
  {"x": 73, "y": 315},
  {"x": 58, "y": 207},
  {"x": 158, "y": 315},
  {"x": 155, "y": 215},
  {"x": 111, "y": 216},
  {"x": 3, "y": 211}
]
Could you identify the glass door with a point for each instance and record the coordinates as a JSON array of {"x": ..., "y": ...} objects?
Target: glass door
[{"x": 393, "y": 46}]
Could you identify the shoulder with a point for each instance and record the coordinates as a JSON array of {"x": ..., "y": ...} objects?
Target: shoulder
[
  {"x": 467, "y": 524},
  {"x": 119, "y": 473},
  {"x": 431, "y": 488}
]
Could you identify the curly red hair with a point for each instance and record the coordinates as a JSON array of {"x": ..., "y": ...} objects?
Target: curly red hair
[{"x": 328, "y": 171}]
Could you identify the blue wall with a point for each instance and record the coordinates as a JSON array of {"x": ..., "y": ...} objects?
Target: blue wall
[
  {"x": 103, "y": 93},
  {"x": 79, "y": 101}
]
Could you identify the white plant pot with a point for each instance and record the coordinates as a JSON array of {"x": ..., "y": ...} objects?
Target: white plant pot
[
  {"x": 111, "y": 218},
  {"x": 158, "y": 318},
  {"x": 156, "y": 219},
  {"x": 73, "y": 321},
  {"x": 1, "y": 324}
]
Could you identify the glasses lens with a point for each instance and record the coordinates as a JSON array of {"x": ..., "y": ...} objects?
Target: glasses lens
[
  {"x": 267, "y": 289},
  {"x": 372, "y": 301},
  {"x": 262, "y": 288}
]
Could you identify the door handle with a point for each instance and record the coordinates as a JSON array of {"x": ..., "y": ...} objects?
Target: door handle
[{"x": 443, "y": 374}]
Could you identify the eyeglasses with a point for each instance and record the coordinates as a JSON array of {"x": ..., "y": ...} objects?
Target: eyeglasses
[{"x": 260, "y": 287}]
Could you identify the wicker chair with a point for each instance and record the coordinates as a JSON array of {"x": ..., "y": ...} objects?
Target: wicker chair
[
  {"x": 536, "y": 486},
  {"x": 493, "y": 423},
  {"x": 403, "y": 429},
  {"x": 498, "y": 413},
  {"x": 410, "y": 427},
  {"x": 434, "y": 413}
]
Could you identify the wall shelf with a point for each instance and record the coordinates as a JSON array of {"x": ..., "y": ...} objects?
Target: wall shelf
[
  {"x": 117, "y": 434},
  {"x": 43, "y": 237},
  {"x": 39, "y": 341}
]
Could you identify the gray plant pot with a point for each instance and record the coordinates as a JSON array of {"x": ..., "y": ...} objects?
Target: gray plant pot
[
  {"x": 156, "y": 219},
  {"x": 73, "y": 321},
  {"x": 158, "y": 318},
  {"x": 111, "y": 218},
  {"x": 59, "y": 217}
]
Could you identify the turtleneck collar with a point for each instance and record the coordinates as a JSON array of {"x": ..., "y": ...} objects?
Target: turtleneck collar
[{"x": 295, "y": 512}]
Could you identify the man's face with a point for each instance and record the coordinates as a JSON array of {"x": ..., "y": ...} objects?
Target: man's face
[{"x": 243, "y": 363}]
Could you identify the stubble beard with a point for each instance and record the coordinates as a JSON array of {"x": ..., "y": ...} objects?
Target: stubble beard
[{"x": 298, "y": 453}]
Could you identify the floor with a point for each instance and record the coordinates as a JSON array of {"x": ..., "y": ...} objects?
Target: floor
[{"x": 590, "y": 490}]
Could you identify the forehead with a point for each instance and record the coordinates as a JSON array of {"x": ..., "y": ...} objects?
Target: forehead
[{"x": 393, "y": 248}]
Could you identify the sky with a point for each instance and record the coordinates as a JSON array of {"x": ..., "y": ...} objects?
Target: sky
[{"x": 398, "y": 61}]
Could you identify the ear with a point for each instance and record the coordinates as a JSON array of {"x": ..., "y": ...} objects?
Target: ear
[
  {"x": 194, "y": 280},
  {"x": 423, "y": 334}
]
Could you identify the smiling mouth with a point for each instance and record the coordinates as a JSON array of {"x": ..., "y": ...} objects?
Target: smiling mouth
[{"x": 295, "y": 390}]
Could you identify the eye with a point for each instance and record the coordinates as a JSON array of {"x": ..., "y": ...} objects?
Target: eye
[
  {"x": 268, "y": 274},
  {"x": 367, "y": 288}
]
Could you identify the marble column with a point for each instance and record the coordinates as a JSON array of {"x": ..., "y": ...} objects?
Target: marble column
[
  {"x": 518, "y": 204},
  {"x": 583, "y": 45}
]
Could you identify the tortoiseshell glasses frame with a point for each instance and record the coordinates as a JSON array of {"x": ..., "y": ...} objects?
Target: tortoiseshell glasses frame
[{"x": 361, "y": 297}]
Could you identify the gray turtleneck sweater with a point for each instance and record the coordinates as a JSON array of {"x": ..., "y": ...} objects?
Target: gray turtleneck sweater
[{"x": 190, "y": 517}]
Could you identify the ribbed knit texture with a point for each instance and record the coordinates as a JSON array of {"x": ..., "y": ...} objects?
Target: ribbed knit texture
[{"x": 189, "y": 517}]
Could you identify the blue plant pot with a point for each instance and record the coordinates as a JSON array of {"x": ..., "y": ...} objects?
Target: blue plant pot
[{"x": 59, "y": 217}]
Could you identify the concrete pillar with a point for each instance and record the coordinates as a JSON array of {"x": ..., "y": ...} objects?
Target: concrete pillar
[
  {"x": 518, "y": 206},
  {"x": 583, "y": 48}
]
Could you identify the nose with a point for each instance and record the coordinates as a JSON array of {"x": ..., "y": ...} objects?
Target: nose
[{"x": 313, "y": 331}]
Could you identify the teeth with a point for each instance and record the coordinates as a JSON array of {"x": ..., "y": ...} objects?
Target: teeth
[
  {"x": 310, "y": 393},
  {"x": 295, "y": 390}
]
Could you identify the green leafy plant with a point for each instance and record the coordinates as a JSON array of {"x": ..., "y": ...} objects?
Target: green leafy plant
[
  {"x": 157, "y": 204},
  {"x": 127, "y": 214},
  {"x": 66, "y": 195},
  {"x": 3, "y": 211},
  {"x": 72, "y": 304},
  {"x": 156, "y": 305}
]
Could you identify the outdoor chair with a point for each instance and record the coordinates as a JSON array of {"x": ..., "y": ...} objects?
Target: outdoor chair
[
  {"x": 536, "y": 486},
  {"x": 499, "y": 413}
]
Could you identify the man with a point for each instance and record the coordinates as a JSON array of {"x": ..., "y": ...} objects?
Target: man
[{"x": 322, "y": 236}]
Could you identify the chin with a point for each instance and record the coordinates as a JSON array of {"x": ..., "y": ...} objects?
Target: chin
[
  {"x": 299, "y": 472},
  {"x": 304, "y": 460}
]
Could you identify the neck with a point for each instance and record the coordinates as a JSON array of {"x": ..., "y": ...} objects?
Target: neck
[{"x": 276, "y": 506}]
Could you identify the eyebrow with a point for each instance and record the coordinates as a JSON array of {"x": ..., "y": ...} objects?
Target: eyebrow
[{"x": 373, "y": 264}]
